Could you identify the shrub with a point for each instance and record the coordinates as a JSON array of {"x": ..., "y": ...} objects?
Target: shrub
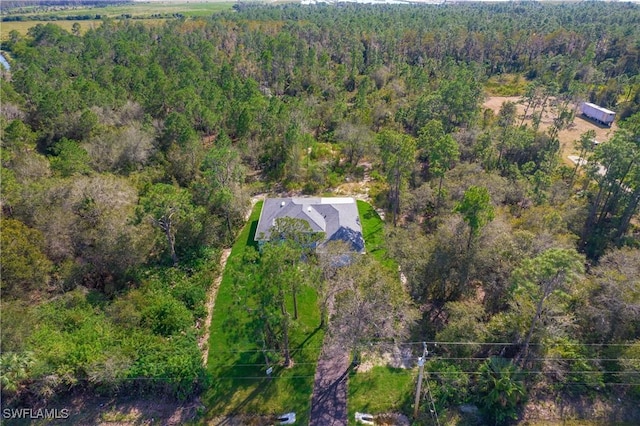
[
  {"x": 449, "y": 385},
  {"x": 166, "y": 316},
  {"x": 500, "y": 390}
]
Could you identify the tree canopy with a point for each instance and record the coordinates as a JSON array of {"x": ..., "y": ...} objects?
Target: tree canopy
[{"x": 130, "y": 152}]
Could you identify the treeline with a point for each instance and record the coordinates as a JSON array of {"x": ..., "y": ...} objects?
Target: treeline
[
  {"x": 505, "y": 37},
  {"x": 129, "y": 152},
  {"x": 18, "y": 18},
  {"x": 11, "y": 4}
]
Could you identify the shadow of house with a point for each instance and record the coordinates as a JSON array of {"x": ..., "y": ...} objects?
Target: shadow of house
[{"x": 336, "y": 217}]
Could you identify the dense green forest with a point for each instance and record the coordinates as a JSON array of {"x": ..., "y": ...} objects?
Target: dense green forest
[{"x": 130, "y": 153}]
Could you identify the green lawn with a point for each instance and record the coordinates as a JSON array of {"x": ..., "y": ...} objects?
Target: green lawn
[
  {"x": 381, "y": 390},
  {"x": 373, "y": 233},
  {"x": 240, "y": 385}
]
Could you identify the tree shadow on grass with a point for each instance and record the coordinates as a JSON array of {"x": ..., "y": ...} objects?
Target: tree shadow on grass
[
  {"x": 371, "y": 232},
  {"x": 252, "y": 233},
  {"x": 237, "y": 377},
  {"x": 298, "y": 349},
  {"x": 241, "y": 386},
  {"x": 263, "y": 388},
  {"x": 372, "y": 226},
  {"x": 370, "y": 213}
]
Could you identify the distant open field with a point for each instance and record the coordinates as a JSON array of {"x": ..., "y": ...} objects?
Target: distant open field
[
  {"x": 152, "y": 12},
  {"x": 23, "y": 26}
]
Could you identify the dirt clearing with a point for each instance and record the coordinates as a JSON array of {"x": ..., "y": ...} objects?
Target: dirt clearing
[{"x": 567, "y": 137}]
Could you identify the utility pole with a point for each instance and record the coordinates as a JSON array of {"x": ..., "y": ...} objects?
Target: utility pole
[{"x": 421, "y": 361}]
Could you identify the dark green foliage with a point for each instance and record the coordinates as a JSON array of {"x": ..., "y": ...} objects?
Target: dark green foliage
[
  {"x": 17, "y": 136},
  {"x": 143, "y": 341},
  {"x": 501, "y": 390},
  {"x": 398, "y": 153},
  {"x": 128, "y": 153},
  {"x": 69, "y": 158},
  {"x": 16, "y": 323},
  {"x": 449, "y": 384},
  {"x": 170, "y": 210},
  {"x": 193, "y": 295},
  {"x": 476, "y": 209},
  {"x": 172, "y": 366},
  {"x": 615, "y": 198},
  {"x": 166, "y": 316},
  {"x": 570, "y": 368},
  {"x": 14, "y": 369}
]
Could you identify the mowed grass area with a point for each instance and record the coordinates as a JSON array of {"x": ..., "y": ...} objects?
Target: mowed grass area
[
  {"x": 381, "y": 390},
  {"x": 151, "y": 13},
  {"x": 373, "y": 233},
  {"x": 372, "y": 230},
  {"x": 236, "y": 361}
]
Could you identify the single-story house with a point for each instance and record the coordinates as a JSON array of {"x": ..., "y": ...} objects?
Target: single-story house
[{"x": 336, "y": 217}]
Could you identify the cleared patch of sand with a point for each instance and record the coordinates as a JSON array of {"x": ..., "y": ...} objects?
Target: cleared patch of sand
[
  {"x": 567, "y": 137},
  {"x": 395, "y": 358}
]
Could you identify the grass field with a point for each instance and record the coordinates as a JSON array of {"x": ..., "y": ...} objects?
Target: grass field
[
  {"x": 150, "y": 13},
  {"x": 506, "y": 85},
  {"x": 23, "y": 26},
  {"x": 381, "y": 390},
  {"x": 240, "y": 384},
  {"x": 373, "y": 233}
]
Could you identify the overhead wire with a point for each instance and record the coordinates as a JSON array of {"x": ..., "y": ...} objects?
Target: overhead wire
[
  {"x": 436, "y": 344},
  {"x": 371, "y": 343}
]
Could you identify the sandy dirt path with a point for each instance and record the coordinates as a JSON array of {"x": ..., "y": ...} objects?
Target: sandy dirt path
[
  {"x": 213, "y": 292},
  {"x": 211, "y": 302}
]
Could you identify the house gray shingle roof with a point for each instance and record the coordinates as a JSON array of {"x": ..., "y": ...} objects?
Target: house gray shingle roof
[{"x": 337, "y": 217}]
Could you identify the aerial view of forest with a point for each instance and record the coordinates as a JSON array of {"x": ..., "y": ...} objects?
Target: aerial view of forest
[{"x": 494, "y": 153}]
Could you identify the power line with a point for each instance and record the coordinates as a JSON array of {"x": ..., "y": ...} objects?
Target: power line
[
  {"x": 263, "y": 350},
  {"x": 436, "y": 343},
  {"x": 538, "y": 359},
  {"x": 261, "y": 378},
  {"x": 433, "y": 405},
  {"x": 545, "y": 372},
  {"x": 258, "y": 365}
]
